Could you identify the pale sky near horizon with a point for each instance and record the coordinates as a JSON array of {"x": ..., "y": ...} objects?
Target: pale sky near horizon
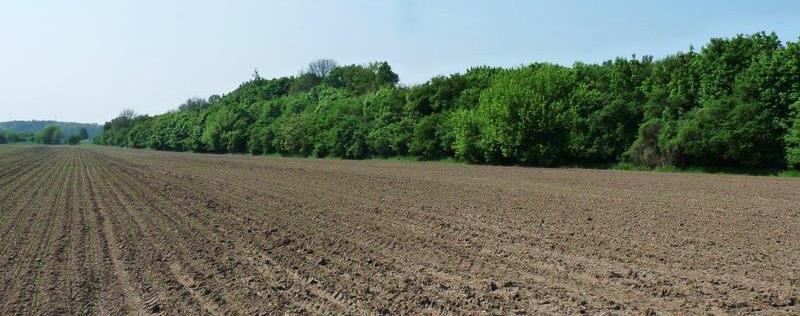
[{"x": 86, "y": 60}]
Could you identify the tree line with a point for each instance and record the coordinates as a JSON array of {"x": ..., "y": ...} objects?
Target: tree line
[
  {"x": 36, "y": 127},
  {"x": 10, "y": 137},
  {"x": 51, "y": 135},
  {"x": 733, "y": 103}
]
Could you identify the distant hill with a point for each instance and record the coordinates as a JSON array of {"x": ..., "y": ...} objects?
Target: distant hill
[{"x": 37, "y": 126}]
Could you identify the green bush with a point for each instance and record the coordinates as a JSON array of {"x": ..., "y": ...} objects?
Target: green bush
[
  {"x": 74, "y": 139},
  {"x": 52, "y": 135}
]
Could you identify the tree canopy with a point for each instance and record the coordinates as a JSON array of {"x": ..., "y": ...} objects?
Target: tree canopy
[
  {"x": 52, "y": 135},
  {"x": 733, "y": 103},
  {"x": 25, "y": 128},
  {"x": 74, "y": 139}
]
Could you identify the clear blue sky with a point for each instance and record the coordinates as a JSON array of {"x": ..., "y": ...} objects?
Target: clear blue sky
[{"x": 86, "y": 60}]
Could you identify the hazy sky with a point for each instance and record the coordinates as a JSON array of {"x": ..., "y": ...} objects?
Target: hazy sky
[{"x": 86, "y": 60}]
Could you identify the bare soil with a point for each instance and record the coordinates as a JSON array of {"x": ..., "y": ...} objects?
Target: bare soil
[{"x": 89, "y": 230}]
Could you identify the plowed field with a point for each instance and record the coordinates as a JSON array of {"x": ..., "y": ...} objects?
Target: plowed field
[{"x": 87, "y": 230}]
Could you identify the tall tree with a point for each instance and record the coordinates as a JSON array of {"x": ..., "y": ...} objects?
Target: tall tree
[
  {"x": 193, "y": 103},
  {"x": 83, "y": 133},
  {"x": 321, "y": 67},
  {"x": 52, "y": 135}
]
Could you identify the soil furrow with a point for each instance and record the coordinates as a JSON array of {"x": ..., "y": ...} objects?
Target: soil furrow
[
  {"x": 131, "y": 297},
  {"x": 201, "y": 228},
  {"x": 102, "y": 231},
  {"x": 33, "y": 242}
]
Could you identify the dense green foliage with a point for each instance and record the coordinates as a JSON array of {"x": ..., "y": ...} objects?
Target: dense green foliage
[
  {"x": 51, "y": 135},
  {"x": 9, "y": 137},
  {"x": 74, "y": 139},
  {"x": 83, "y": 133},
  {"x": 732, "y": 104},
  {"x": 35, "y": 127}
]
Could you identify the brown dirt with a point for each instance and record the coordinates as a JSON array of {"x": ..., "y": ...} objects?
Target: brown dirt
[{"x": 110, "y": 231}]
